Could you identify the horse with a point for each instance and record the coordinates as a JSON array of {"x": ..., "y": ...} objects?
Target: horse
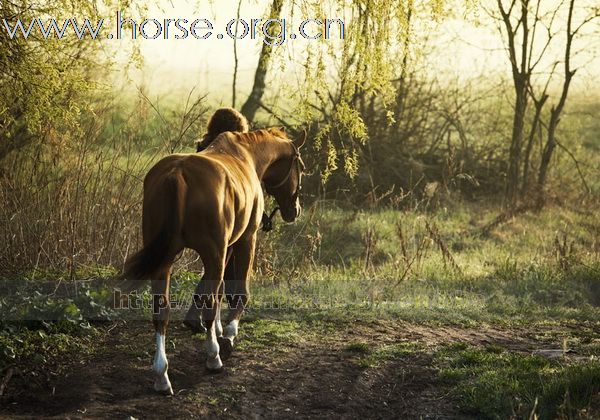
[
  {"x": 224, "y": 119},
  {"x": 212, "y": 202}
]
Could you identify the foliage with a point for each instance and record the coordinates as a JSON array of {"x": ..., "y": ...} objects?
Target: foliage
[
  {"x": 36, "y": 327},
  {"x": 364, "y": 70},
  {"x": 496, "y": 383},
  {"x": 36, "y": 347},
  {"x": 78, "y": 206},
  {"x": 43, "y": 81}
]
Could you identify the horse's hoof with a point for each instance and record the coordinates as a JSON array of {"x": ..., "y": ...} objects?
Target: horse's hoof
[
  {"x": 195, "y": 325},
  {"x": 225, "y": 347},
  {"x": 214, "y": 365},
  {"x": 167, "y": 392},
  {"x": 163, "y": 387}
]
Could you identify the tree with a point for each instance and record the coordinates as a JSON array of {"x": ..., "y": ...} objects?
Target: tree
[
  {"x": 43, "y": 82},
  {"x": 517, "y": 27},
  {"x": 340, "y": 81},
  {"x": 258, "y": 88},
  {"x": 556, "y": 111},
  {"x": 522, "y": 21}
]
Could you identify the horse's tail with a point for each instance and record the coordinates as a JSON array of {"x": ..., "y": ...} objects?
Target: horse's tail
[{"x": 163, "y": 216}]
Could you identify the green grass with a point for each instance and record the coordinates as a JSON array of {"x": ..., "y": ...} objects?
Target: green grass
[
  {"x": 514, "y": 275},
  {"x": 373, "y": 358},
  {"x": 319, "y": 267},
  {"x": 268, "y": 333},
  {"x": 358, "y": 347},
  {"x": 218, "y": 397},
  {"x": 495, "y": 383}
]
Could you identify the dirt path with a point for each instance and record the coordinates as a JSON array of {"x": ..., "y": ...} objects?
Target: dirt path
[{"x": 314, "y": 376}]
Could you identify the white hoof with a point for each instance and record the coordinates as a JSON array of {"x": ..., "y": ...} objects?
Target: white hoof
[
  {"x": 214, "y": 364},
  {"x": 163, "y": 385},
  {"x": 231, "y": 330},
  {"x": 160, "y": 366},
  {"x": 212, "y": 348}
]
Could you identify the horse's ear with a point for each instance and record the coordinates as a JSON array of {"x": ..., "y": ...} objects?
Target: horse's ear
[{"x": 299, "y": 142}]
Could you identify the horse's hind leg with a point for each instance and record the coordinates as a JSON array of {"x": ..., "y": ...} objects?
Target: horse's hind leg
[
  {"x": 237, "y": 291},
  {"x": 213, "y": 258},
  {"x": 218, "y": 324},
  {"x": 192, "y": 318},
  {"x": 228, "y": 277},
  {"x": 160, "y": 311}
]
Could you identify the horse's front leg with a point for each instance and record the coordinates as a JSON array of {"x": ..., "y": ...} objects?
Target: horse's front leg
[
  {"x": 193, "y": 317},
  {"x": 214, "y": 262},
  {"x": 237, "y": 290},
  {"x": 161, "y": 308}
]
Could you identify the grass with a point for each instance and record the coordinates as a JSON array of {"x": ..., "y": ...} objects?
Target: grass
[
  {"x": 514, "y": 275},
  {"x": 495, "y": 383},
  {"x": 318, "y": 267},
  {"x": 338, "y": 266},
  {"x": 219, "y": 396},
  {"x": 261, "y": 333},
  {"x": 374, "y": 357}
]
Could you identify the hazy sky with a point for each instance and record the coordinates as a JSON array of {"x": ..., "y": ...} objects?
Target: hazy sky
[
  {"x": 464, "y": 49},
  {"x": 174, "y": 65}
]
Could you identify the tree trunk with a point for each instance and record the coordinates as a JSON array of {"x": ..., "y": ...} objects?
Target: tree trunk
[
  {"x": 235, "y": 58},
  {"x": 546, "y": 156},
  {"x": 516, "y": 144},
  {"x": 258, "y": 89},
  {"x": 539, "y": 105},
  {"x": 521, "y": 73},
  {"x": 556, "y": 111}
]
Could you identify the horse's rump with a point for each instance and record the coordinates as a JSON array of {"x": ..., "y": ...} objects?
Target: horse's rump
[{"x": 164, "y": 204}]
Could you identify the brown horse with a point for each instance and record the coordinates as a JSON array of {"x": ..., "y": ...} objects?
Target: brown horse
[
  {"x": 224, "y": 119},
  {"x": 212, "y": 202}
]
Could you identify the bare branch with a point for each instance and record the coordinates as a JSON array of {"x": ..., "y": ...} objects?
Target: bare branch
[{"x": 576, "y": 162}]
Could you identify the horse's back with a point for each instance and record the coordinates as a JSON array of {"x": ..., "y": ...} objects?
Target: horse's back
[{"x": 221, "y": 195}]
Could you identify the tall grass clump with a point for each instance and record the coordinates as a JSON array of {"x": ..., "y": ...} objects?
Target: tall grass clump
[{"x": 74, "y": 207}]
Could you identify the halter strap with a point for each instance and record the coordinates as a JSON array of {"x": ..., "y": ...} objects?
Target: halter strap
[
  {"x": 267, "y": 220},
  {"x": 296, "y": 160}
]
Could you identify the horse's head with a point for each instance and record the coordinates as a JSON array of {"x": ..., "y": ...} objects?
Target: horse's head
[{"x": 284, "y": 177}]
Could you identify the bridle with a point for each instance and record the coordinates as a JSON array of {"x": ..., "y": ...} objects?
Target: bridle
[
  {"x": 267, "y": 220},
  {"x": 296, "y": 161}
]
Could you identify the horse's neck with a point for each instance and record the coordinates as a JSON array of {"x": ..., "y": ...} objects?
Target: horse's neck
[{"x": 264, "y": 153}]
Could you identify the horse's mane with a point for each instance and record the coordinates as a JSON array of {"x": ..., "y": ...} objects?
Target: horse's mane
[
  {"x": 254, "y": 136},
  {"x": 278, "y": 132}
]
